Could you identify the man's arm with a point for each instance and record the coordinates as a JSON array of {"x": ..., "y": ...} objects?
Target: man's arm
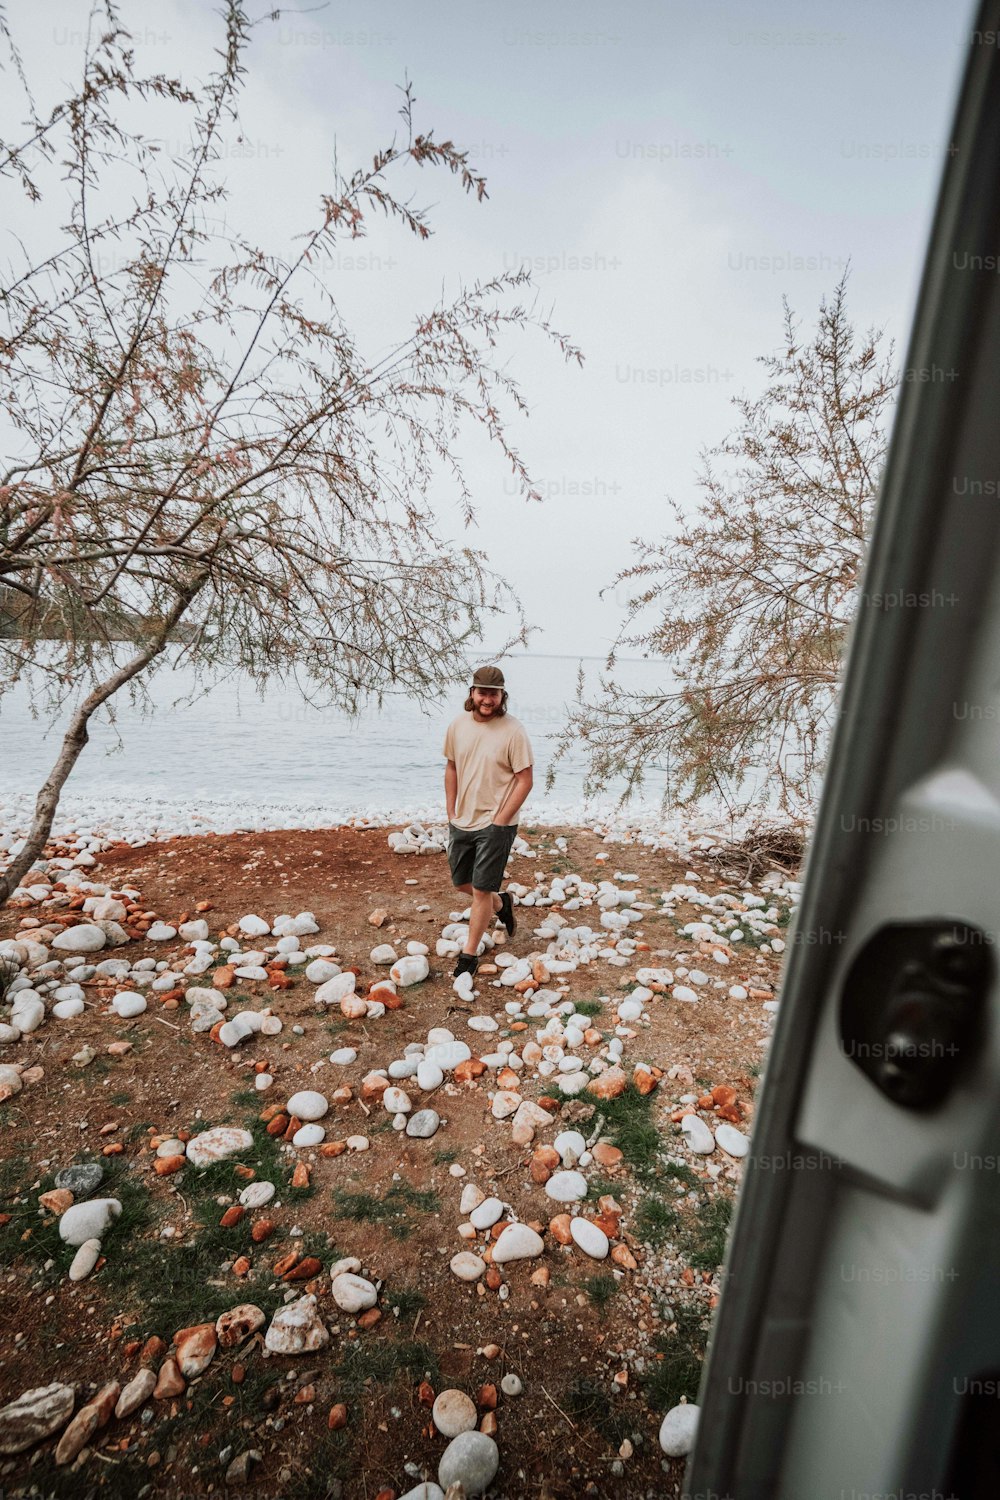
[
  {"x": 450, "y": 788},
  {"x": 508, "y": 809}
]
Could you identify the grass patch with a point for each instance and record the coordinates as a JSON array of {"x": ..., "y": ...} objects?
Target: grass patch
[
  {"x": 656, "y": 1221},
  {"x": 378, "y": 1362},
  {"x": 681, "y": 1172},
  {"x": 329, "y": 1455},
  {"x": 629, "y": 1123},
  {"x": 393, "y": 1210},
  {"x": 587, "y": 1402},
  {"x": 599, "y": 1187},
  {"x": 35, "y": 1237},
  {"x": 588, "y": 1007},
  {"x": 245, "y": 1098},
  {"x": 678, "y": 1373},
  {"x": 408, "y": 1301},
  {"x": 706, "y": 1245},
  {"x": 445, "y": 1157},
  {"x": 600, "y": 1290}
]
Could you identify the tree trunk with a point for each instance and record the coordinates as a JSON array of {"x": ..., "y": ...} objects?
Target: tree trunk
[{"x": 76, "y": 737}]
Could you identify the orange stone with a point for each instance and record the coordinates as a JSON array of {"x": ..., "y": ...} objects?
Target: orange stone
[
  {"x": 262, "y": 1230},
  {"x": 507, "y": 1079},
  {"x": 469, "y": 1070},
  {"x": 276, "y": 1125},
  {"x": 152, "y": 1350},
  {"x": 232, "y": 1216},
  {"x": 605, "y": 1155},
  {"x": 294, "y": 1124},
  {"x": 724, "y": 1094},
  {"x": 493, "y": 1279},
  {"x": 549, "y": 1103},
  {"x": 270, "y": 1111},
  {"x": 303, "y": 1396},
  {"x": 370, "y": 1317},
  {"x": 644, "y": 1080},
  {"x": 622, "y": 1256},
  {"x": 488, "y": 1397},
  {"x": 115, "y": 1149},
  {"x": 241, "y": 1267},
  {"x": 608, "y": 1085},
  {"x": 57, "y": 1200},
  {"x": 489, "y": 1424},
  {"x": 560, "y": 1230},
  {"x": 337, "y": 1417},
  {"x": 239, "y": 1374},
  {"x": 285, "y": 1263},
  {"x": 307, "y": 1267},
  {"x": 224, "y": 977},
  {"x": 165, "y": 1166},
  {"x": 706, "y": 1102},
  {"x": 300, "y": 1177},
  {"x": 333, "y": 1148},
  {"x": 247, "y": 1173},
  {"x": 425, "y": 1393},
  {"x": 169, "y": 1382}
]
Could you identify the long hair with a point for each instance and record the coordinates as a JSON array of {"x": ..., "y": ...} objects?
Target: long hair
[{"x": 468, "y": 705}]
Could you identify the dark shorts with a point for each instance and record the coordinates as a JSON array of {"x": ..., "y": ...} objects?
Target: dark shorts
[{"x": 479, "y": 855}]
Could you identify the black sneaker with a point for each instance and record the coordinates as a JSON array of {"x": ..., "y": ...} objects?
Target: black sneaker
[
  {"x": 506, "y": 913},
  {"x": 467, "y": 963}
]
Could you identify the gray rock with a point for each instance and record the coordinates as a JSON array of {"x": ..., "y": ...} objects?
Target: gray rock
[
  {"x": 423, "y": 1124},
  {"x": 34, "y": 1415},
  {"x": 81, "y": 1179},
  {"x": 239, "y": 1470},
  {"x": 471, "y": 1460}
]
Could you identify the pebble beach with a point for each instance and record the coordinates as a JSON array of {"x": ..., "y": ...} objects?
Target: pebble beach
[{"x": 423, "y": 1233}]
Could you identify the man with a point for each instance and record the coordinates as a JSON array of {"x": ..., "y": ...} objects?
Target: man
[{"x": 488, "y": 776}]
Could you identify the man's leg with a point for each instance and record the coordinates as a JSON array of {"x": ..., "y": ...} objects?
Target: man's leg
[{"x": 485, "y": 905}]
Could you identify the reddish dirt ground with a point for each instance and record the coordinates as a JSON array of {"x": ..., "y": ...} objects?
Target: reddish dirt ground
[{"x": 567, "y": 1341}]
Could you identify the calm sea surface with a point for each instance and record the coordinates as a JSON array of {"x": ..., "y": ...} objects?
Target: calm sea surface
[{"x": 234, "y": 746}]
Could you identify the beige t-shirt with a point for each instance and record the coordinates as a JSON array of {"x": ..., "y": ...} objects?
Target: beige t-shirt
[{"x": 486, "y": 756}]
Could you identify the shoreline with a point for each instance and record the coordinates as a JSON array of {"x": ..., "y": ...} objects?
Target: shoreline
[{"x": 155, "y": 819}]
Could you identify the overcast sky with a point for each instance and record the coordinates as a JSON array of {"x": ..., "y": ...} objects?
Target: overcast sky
[{"x": 668, "y": 170}]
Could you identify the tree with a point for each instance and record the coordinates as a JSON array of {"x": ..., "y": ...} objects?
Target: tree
[
  {"x": 202, "y": 456},
  {"x": 753, "y": 595}
]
